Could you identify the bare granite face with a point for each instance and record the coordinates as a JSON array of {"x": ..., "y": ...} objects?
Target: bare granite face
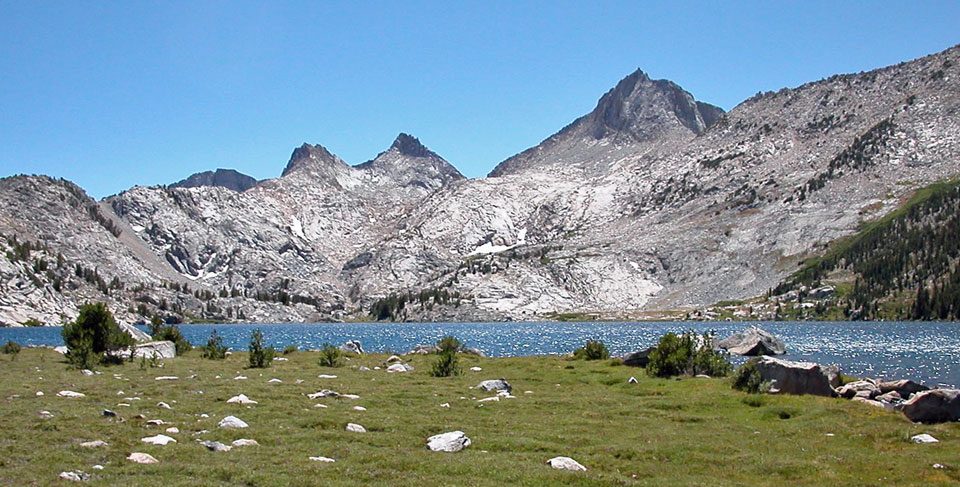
[{"x": 653, "y": 200}]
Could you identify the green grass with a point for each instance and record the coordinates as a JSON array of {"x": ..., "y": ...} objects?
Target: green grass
[{"x": 658, "y": 432}]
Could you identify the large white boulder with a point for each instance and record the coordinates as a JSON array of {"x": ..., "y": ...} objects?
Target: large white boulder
[
  {"x": 159, "y": 350},
  {"x": 566, "y": 463},
  {"x": 753, "y": 341},
  {"x": 232, "y": 422},
  {"x": 453, "y": 441}
]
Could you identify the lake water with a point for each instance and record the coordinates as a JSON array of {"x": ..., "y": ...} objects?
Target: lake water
[{"x": 926, "y": 352}]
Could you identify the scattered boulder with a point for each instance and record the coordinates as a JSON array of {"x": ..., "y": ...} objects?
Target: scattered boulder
[
  {"x": 821, "y": 292},
  {"x": 241, "y": 399},
  {"x": 632, "y": 380},
  {"x": 86, "y": 372},
  {"x": 473, "y": 351},
  {"x": 833, "y": 375},
  {"x": 475, "y": 369},
  {"x": 108, "y": 413},
  {"x": 356, "y": 428},
  {"x": 244, "y": 442},
  {"x": 795, "y": 377},
  {"x": 94, "y": 444},
  {"x": 566, "y": 463},
  {"x": 323, "y": 393},
  {"x": 163, "y": 405},
  {"x": 394, "y": 358},
  {"x": 399, "y": 368},
  {"x": 232, "y": 422},
  {"x": 905, "y": 388},
  {"x": 933, "y": 406},
  {"x": 136, "y": 333},
  {"x": 423, "y": 350},
  {"x": 172, "y": 430},
  {"x": 158, "y": 440},
  {"x": 75, "y": 476},
  {"x": 145, "y": 458},
  {"x": 869, "y": 402},
  {"x": 326, "y": 376},
  {"x": 640, "y": 358},
  {"x": 322, "y": 459},
  {"x": 155, "y": 350},
  {"x": 892, "y": 396},
  {"x": 352, "y": 346},
  {"x": 70, "y": 394},
  {"x": 753, "y": 341},
  {"x": 167, "y": 377},
  {"x": 274, "y": 381},
  {"x": 860, "y": 388},
  {"x": 45, "y": 414},
  {"x": 495, "y": 385},
  {"x": 215, "y": 446},
  {"x": 924, "y": 438},
  {"x": 453, "y": 441}
]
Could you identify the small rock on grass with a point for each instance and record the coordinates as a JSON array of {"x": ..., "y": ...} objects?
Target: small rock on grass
[
  {"x": 163, "y": 405},
  {"x": 45, "y": 414},
  {"x": 356, "y": 428},
  {"x": 633, "y": 380},
  {"x": 75, "y": 476},
  {"x": 359, "y": 408},
  {"x": 215, "y": 446},
  {"x": 172, "y": 430},
  {"x": 245, "y": 442},
  {"x": 145, "y": 458},
  {"x": 158, "y": 440},
  {"x": 322, "y": 459},
  {"x": 495, "y": 385},
  {"x": 453, "y": 441},
  {"x": 232, "y": 422},
  {"x": 475, "y": 369},
  {"x": 167, "y": 377},
  {"x": 241, "y": 399},
  {"x": 326, "y": 376},
  {"x": 94, "y": 444},
  {"x": 70, "y": 394},
  {"x": 924, "y": 438},
  {"x": 566, "y": 463}
]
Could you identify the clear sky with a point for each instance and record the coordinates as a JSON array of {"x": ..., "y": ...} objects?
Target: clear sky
[{"x": 115, "y": 94}]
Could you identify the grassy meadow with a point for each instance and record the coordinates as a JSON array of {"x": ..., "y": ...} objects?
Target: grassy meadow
[{"x": 657, "y": 432}]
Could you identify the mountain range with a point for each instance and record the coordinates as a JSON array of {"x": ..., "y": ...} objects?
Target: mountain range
[{"x": 651, "y": 202}]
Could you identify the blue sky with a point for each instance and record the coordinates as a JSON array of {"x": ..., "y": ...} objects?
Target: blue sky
[{"x": 115, "y": 94}]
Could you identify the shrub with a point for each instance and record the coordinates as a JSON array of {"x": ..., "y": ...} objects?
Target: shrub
[
  {"x": 448, "y": 364},
  {"x": 449, "y": 343},
  {"x": 260, "y": 356},
  {"x": 32, "y": 322},
  {"x": 330, "y": 356},
  {"x": 214, "y": 349},
  {"x": 172, "y": 333},
  {"x": 156, "y": 324},
  {"x": 747, "y": 378},
  {"x": 94, "y": 337},
  {"x": 11, "y": 348},
  {"x": 287, "y": 350},
  {"x": 592, "y": 350},
  {"x": 687, "y": 354}
]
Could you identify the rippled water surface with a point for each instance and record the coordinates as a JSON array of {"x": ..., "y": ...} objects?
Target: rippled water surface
[{"x": 929, "y": 352}]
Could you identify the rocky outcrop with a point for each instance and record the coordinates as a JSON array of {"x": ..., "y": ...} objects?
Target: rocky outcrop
[
  {"x": 640, "y": 358},
  {"x": 155, "y": 350},
  {"x": 751, "y": 342},
  {"x": 224, "y": 178},
  {"x": 495, "y": 385},
  {"x": 794, "y": 377},
  {"x": 933, "y": 406}
]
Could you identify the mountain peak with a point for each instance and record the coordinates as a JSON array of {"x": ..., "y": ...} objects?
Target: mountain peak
[
  {"x": 308, "y": 155},
  {"x": 409, "y": 145},
  {"x": 225, "y": 178}
]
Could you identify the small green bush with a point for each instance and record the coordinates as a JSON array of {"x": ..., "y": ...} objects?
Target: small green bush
[
  {"x": 747, "y": 378},
  {"x": 260, "y": 356},
  {"x": 448, "y": 364},
  {"x": 172, "y": 333},
  {"x": 32, "y": 322},
  {"x": 94, "y": 337},
  {"x": 11, "y": 348},
  {"x": 449, "y": 343},
  {"x": 592, "y": 350},
  {"x": 214, "y": 348},
  {"x": 287, "y": 350},
  {"x": 687, "y": 354},
  {"x": 330, "y": 356}
]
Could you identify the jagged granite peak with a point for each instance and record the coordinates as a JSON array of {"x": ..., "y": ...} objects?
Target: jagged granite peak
[
  {"x": 408, "y": 163},
  {"x": 637, "y": 111},
  {"x": 224, "y": 178},
  {"x": 409, "y": 145},
  {"x": 309, "y": 156}
]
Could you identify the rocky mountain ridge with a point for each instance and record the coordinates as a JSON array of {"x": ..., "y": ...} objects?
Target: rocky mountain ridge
[{"x": 652, "y": 201}]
